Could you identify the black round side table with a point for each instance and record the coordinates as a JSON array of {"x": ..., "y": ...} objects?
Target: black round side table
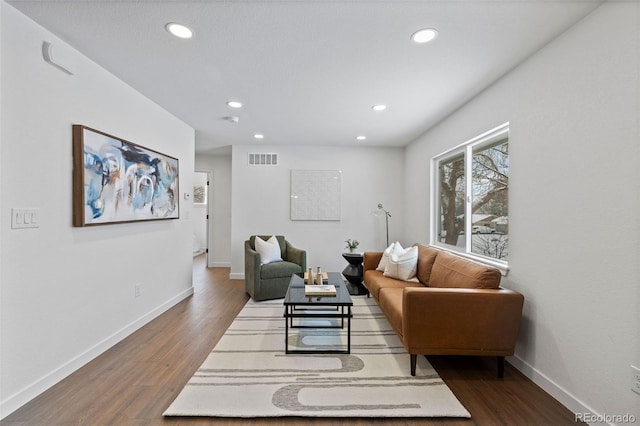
[{"x": 353, "y": 273}]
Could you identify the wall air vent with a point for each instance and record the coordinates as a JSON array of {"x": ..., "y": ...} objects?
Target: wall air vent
[{"x": 262, "y": 159}]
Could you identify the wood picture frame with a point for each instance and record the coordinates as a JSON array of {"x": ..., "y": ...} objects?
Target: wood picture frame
[{"x": 117, "y": 181}]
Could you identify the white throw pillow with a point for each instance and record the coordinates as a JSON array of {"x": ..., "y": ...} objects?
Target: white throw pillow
[
  {"x": 384, "y": 261},
  {"x": 403, "y": 266},
  {"x": 269, "y": 250}
]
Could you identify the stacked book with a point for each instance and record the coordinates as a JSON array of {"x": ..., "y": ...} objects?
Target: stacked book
[{"x": 320, "y": 290}]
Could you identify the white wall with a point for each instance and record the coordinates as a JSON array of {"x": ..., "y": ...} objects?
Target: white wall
[
  {"x": 220, "y": 208},
  {"x": 260, "y": 202},
  {"x": 68, "y": 293},
  {"x": 574, "y": 202},
  {"x": 3, "y": 216}
]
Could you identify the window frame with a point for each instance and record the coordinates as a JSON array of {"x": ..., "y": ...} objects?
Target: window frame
[{"x": 467, "y": 149}]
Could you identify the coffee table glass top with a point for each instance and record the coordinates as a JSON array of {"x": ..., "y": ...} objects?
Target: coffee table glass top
[{"x": 295, "y": 294}]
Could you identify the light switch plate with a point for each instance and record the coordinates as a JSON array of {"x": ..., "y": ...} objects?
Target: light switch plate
[{"x": 25, "y": 218}]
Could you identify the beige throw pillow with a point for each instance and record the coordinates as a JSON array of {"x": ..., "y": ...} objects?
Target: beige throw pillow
[
  {"x": 269, "y": 250},
  {"x": 403, "y": 266},
  {"x": 384, "y": 261}
]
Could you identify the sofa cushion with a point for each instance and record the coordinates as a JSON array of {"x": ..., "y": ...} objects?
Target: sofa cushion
[
  {"x": 279, "y": 270},
  {"x": 375, "y": 281},
  {"x": 391, "y": 304},
  {"x": 371, "y": 260},
  {"x": 426, "y": 258},
  {"x": 451, "y": 271},
  {"x": 402, "y": 265}
]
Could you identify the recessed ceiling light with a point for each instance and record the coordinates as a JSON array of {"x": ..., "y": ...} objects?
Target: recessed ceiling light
[
  {"x": 179, "y": 30},
  {"x": 234, "y": 104},
  {"x": 361, "y": 137},
  {"x": 424, "y": 36},
  {"x": 379, "y": 107},
  {"x": 258, "y": 136}
]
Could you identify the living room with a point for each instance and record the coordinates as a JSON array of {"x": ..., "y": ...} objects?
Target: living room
[{"x": 573, "y": 113}]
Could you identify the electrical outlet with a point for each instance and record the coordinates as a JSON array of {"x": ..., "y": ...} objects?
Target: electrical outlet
[
  {"x": 635, "y": 379},
  {"x": 137, "y": 289}
]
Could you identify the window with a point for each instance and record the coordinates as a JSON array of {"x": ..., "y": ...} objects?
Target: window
[{"x": 470, "y": 194}]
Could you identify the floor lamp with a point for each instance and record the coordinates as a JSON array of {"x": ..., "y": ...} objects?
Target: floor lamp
[{"x": 387, "y": 215}]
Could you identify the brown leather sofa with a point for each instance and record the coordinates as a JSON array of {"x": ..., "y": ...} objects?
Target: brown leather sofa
[{"x": 455, "y": 307}]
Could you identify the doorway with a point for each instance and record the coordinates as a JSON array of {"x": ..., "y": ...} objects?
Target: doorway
[{"x": 201, "y": 201}]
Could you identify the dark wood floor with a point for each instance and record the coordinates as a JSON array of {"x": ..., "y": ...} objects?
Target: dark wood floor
[{"x": 136, "y": 380}]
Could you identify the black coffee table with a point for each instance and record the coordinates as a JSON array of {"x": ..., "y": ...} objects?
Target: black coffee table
[{"x": 298, "y": 305}]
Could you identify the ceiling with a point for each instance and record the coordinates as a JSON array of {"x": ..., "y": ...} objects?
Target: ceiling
[{"x": 308, "y": 72}]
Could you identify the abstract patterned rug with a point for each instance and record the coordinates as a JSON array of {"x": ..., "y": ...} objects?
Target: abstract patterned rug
[{"x": 248, "y": 374}]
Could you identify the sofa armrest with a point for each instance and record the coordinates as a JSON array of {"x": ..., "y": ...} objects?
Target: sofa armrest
[
  {"x": 371, "y": 260},
  {"x": 251, "y": 267},
  {"x": 297, "y": 256},
  {"x": 465, "y": 321}
]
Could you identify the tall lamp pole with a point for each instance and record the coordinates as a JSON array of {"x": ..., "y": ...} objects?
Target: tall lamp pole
[{"x": 387, "y": 215}]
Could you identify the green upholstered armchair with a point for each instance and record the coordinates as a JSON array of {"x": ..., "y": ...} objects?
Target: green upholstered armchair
[{"x": 271, "y": 280}]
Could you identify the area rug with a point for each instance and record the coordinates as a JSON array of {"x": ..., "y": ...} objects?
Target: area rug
[{"x": 248, "y": 374}]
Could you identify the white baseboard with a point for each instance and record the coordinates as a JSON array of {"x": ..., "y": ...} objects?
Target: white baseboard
[
  {"x": 26, "y": 394},
  {"x": 236, "y": 276},
  {"x": 221, "y": 265},
  {"x": 552, "y": 388}
]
